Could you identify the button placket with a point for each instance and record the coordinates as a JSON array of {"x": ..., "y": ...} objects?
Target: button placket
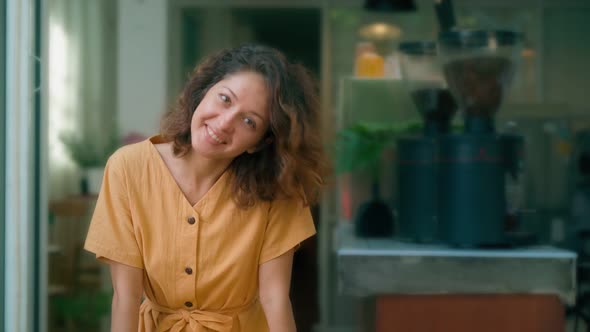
[
  {"x": 192, "y": 220},
  {"x": 187, "y": 248}
]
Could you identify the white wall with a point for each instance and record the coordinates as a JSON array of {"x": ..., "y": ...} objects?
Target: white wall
[{"x": 142, "y": 65}]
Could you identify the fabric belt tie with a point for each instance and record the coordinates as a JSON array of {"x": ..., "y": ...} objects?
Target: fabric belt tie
[{"x": 177, "y": 320}]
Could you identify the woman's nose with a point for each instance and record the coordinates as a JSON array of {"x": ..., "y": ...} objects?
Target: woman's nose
[{"x": 227, "y": 121}]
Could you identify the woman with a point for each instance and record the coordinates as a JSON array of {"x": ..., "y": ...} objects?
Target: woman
[{"x": 204, "y": 218}]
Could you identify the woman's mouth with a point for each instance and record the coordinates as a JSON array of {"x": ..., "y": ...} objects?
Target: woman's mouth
[{"x": 215, "y": 137}]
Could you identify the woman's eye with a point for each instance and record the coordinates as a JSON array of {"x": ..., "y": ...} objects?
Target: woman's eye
[
  {"x": 224, "y": 98},
  {"x": 250, "y": 122}
]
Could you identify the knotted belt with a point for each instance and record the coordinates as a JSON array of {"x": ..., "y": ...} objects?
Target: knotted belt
[{"x": 177, "y": 320}]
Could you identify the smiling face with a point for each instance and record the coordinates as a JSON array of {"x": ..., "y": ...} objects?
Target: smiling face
[{"x": 232, "y": 118}]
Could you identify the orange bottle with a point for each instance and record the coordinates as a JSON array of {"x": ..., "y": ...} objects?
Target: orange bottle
[{"x": 368, "y": 63}]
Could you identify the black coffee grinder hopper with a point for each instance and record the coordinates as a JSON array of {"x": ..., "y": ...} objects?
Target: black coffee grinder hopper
[{"x": 417, "y": 155}]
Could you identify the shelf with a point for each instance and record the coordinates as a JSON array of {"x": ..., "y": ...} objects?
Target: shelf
[
  {"x": 72, "y": 207},
  {"x": 56, "y": 290},
  {"x": 54, "y": 249}
]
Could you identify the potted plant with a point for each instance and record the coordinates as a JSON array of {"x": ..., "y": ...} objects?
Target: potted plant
[
  {"x": 360, "y": 148},
  {"x": 90, "y": 154}
]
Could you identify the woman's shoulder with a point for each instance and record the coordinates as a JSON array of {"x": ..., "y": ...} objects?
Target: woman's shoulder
[
  {"x": 131, "y": 155},
  {"x": 288, "y": 204}
]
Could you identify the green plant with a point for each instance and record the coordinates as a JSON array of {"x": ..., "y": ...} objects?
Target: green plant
[
  {"x": 84, "y": 307},
  {"x": 87, "y": 151},
  {"x": 360, "y": 146}
]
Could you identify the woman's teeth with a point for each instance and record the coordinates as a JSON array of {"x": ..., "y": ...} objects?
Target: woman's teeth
[{"x": 212, "y": 134}]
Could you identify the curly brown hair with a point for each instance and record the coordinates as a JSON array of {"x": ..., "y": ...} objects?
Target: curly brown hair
[{"x": 291, "y": 162}]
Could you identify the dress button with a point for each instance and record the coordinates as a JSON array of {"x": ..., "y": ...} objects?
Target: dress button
[
  {"x": 191, "y": 220},
  {"x": 188, "y": 304},
  {"x": 188, "y": 270}
]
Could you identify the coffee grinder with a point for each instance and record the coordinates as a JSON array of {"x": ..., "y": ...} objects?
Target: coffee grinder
[
  {"x": 417, "y": 155},
  {"x": 478, "y": 67}
]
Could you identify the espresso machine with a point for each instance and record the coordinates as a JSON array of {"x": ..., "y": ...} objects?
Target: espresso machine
[{"x": 453, "y": 183}]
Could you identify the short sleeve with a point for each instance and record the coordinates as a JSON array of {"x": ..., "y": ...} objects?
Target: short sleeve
[
  {"x": 289, "y": 223},
  {"x": 111, "y": 234}
]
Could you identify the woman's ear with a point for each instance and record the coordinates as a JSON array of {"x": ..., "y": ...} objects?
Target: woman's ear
[{"x": 261, "y": 145}]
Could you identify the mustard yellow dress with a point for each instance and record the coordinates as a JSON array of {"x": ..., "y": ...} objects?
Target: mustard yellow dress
[{"x": 200, "y": 262}]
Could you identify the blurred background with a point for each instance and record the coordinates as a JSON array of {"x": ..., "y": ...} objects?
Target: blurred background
[{"x": 82, "y": 78}]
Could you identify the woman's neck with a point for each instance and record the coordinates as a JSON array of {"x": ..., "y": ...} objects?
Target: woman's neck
[{"x": 202, "y": 171}]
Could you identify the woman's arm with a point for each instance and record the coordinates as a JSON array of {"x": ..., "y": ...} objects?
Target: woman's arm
[
  {"x": 274, "y": 278},
  {"x": 128, "y": 291}
]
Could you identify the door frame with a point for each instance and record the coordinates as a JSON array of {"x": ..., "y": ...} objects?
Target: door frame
[
  {"x": 2, "y": 149},
  {"x": 326, "y": 287},
  {"x": 24, "y": 190}
]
